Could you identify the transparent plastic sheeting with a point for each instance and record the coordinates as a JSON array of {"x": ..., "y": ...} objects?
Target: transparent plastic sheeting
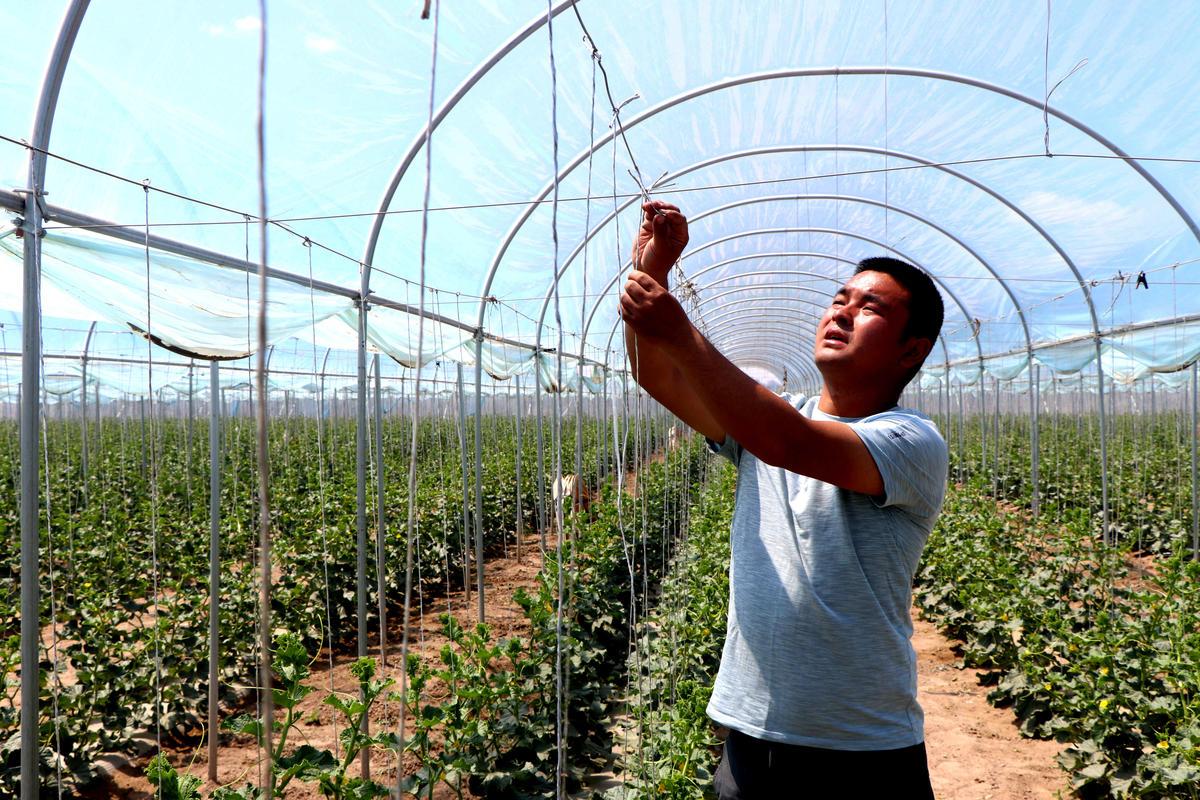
[
  {"x": 772, "y": 122},
  {"x": 1049, "y": 382},
  {"x": 202, "y": 310},
  {"x": 1125, "y": 357}
]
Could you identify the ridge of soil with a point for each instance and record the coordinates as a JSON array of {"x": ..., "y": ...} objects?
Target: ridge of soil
[{"x": 975, "y": 750}]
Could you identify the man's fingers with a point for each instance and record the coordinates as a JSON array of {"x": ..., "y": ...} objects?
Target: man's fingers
[
  {"x": 628, "y": 307},
  {"x": 659, "y": 205},
  {"x": 635, "y": 290},
  {"x": 641, "y": 279}
]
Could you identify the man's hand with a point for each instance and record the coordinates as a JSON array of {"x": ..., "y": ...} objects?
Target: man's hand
[
  {"x": 650, "y": 310},
  {"x": 660, "y": 240}
]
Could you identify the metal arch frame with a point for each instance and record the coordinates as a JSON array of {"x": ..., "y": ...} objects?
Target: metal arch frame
[
  {"x": 776, "y": 298},
  {"x": 736, "y": 337},
  {"x": 43, "y": 123},
  {"x": 730, "y": 332},
  {"x": 1020, "y": 311},
  {"x": 777, "y": 313},
  {"x": 741, "y": 80},
  {"x": 791, "y": 356},
  {"x": 751, "y": 358},
  {"x": 957, "y": 302},
  {"x": 728, "y": 310},
  {"x": 771, "y": 298},
  {"x": 768, "y": 272},
  {"x": 831, "y": 231},
  {"x": 742, "y": 353},
  {"x": 439, "y": 116},
  {"x": 752, "y": 201},
  {"x": 887, "y": 207},
  {"x": 791, "y": 149},
  {"x": 722, "y": 308}
]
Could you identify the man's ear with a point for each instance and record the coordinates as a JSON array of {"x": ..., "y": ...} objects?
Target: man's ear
[{"x": 915, "y": 351}]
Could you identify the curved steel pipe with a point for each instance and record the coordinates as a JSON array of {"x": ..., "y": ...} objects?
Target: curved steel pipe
[
  {"x": 31, "y": 353},
  {"x": 447, "y": 106},
  {"x": 834, "y": 232},
  {"x": 741, "y": 80}
]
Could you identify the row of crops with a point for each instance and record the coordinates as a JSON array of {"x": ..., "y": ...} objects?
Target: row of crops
[
  {"x": 1150, "y": 486},
  {"x": 1093, "y": 645},
  {"x": 1086, "y": 644},
  {"x": 1089, "y": 644},
  {"x": 125, "y": 565}
]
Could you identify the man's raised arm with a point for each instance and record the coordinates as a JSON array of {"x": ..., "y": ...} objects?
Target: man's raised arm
[{"x": 660, "y": 241}]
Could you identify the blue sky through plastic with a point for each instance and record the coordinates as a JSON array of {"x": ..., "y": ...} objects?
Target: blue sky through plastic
[{"x": 166, "y": 91}]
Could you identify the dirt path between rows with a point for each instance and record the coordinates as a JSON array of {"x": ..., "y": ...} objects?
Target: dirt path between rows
[{"x": 975, "y": 749}]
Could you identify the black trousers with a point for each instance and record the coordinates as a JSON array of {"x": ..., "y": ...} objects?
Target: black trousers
[{"x": 752, "y": 769}]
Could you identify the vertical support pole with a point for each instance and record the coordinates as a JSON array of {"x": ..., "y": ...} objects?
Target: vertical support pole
[
  {"x": 1195, "y": 492},
  {"x": 142, "y": 416},
  {"x": 214, "y": 559},
  {"x": 191, "y": 421},
  {"x": 982, "y": 421},
  {"x": 83, "y": 424},
  {"x": 941, "y": 419},
  {"x": 361, "y": 501},
  {"x": 1035, "y": 382},
  {"x": 479, "y": 472},
  {"x": 380, "y": 531},
  {"x": 1103, "y": 446},
  {"x": 31, "y": 356},
  {"x": 962, "y": 455},
  {"x": 466, "y": 495},
  {"x": 996, "y": 439},
  {"x": 520, "y": 456},
  {"x": 579, "y": 387},
  {"x": 603, "y": 471},
  {"x": 541, "y": 448}
]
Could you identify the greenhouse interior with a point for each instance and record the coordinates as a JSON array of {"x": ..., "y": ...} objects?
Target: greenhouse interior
[{"x": 328, "y": 468}]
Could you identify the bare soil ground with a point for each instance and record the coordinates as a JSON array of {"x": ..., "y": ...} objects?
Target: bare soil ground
[
  {"x": 975, "y": 750},
  {"x": 238, "y": 758}
]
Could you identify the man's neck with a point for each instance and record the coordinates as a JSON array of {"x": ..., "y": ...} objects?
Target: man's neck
[{"x": 853, "y": 402}]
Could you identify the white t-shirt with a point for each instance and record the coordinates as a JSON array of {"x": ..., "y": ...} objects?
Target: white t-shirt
[{"x": 817, "y": 650}]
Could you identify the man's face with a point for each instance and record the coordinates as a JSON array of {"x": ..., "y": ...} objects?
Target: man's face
[{"x": 861, "y": 332}]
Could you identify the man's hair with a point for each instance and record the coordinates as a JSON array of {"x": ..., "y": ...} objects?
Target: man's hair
[{"x": 925, "y": 309}]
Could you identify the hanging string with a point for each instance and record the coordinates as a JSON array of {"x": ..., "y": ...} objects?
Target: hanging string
[
  {"x": 312, "y": 309},
  {"x": 412, "y": 459},
  {"x": 56, "y": 686},
  {"x": 620, "y": 443},
  {"x": 886, "y": 119},
  {"x": 598, "y": 61},
  {"x": 1049, "y": 90},
  {"x": 837, "y": 180},
  {"x": 267, "y": 776},
  {"x": 443, "y": 450},
  {"x": 560, "y": 720},
  {"x": 587, "y": 226},
  {"x": 153, "y": 483}
]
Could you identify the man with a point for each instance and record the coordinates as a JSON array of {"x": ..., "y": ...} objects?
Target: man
[{"x": 836, "y": 497}]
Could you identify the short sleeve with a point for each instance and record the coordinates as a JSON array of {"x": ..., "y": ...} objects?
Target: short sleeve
[
  {"x": 912, "y": 459},
  {"x": 729, "y": 448}
]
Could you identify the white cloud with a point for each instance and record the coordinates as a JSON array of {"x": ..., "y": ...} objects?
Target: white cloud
[
  {"x": 241, "y": 25},
  {"x": 321, "y": 44},
  {"x": 1100, "y": 217}
]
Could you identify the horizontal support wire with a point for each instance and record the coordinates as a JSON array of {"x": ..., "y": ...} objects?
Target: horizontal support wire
[{"x": 15, "y": 202}]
